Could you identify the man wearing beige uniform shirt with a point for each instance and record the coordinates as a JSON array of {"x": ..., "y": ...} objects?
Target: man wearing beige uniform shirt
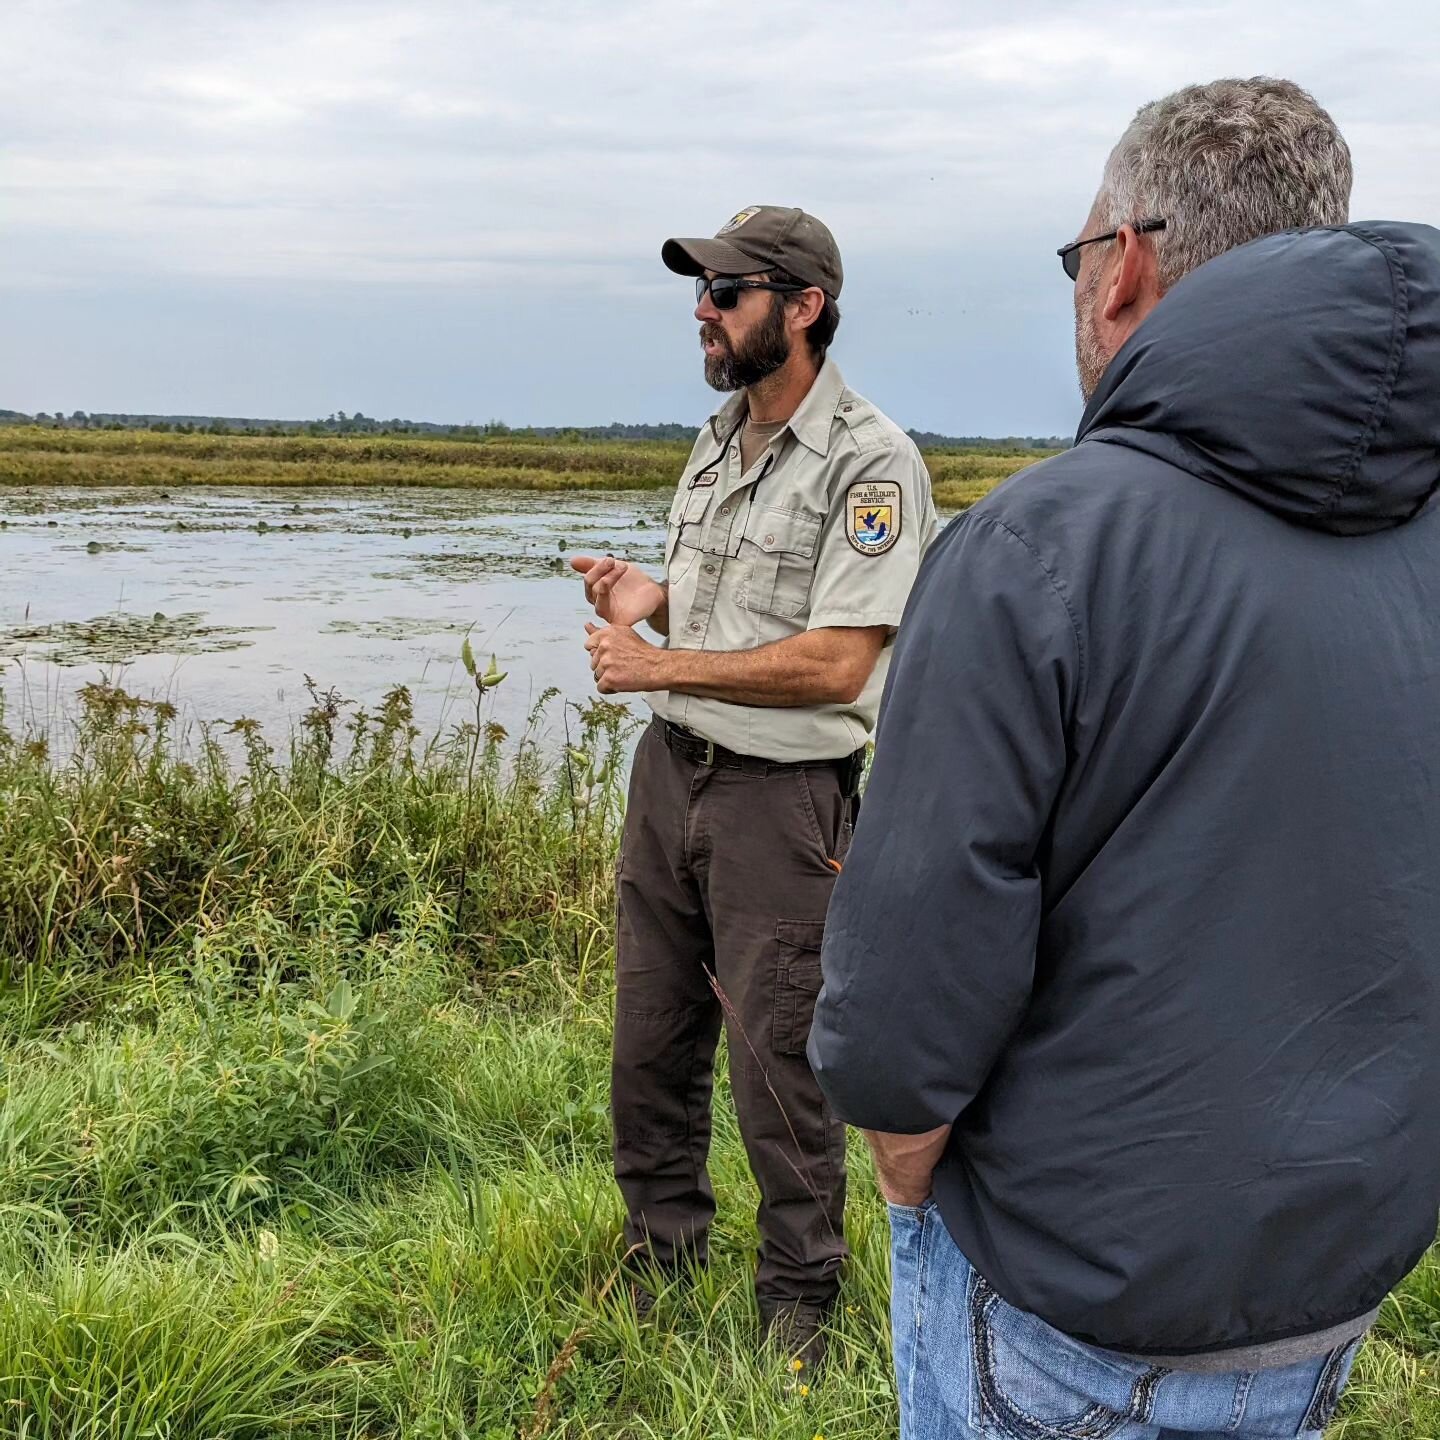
[{"x": 793, "y": 540}]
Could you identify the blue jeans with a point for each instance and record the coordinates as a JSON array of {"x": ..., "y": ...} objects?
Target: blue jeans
[{"x": 971, "y": 1367}]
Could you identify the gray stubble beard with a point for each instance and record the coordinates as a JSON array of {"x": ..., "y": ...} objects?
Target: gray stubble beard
[{"x": 1091, "y": 361}]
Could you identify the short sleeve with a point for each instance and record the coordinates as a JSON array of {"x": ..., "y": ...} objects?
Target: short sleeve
[{"x": 878, "y": 524}]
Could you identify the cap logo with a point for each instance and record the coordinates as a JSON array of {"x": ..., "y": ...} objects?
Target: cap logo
[{"x": 738, "y": 219}]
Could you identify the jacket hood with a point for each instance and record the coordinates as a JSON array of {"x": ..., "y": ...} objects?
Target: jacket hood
[{"x": 1301, "y": 371}]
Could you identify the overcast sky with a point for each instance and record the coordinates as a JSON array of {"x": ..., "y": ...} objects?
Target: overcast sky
[{"x": 453, "y": 211}]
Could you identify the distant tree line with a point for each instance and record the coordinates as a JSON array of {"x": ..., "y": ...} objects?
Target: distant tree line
[
  {"x": 929, "y": 440},
  {"x": 340, "y": 423}
]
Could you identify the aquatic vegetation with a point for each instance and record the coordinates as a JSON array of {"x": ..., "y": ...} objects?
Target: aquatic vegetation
[
  {"x": 113, "y": 639},
  {"x": 392, "y": 627}
]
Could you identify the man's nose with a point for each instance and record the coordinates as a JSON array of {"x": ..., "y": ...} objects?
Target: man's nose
[{"x": 705, "y": 309}]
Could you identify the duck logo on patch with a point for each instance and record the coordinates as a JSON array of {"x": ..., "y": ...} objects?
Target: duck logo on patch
[
  {"x": 874, "y": 515},
  {"x": 738, "y": 219}
]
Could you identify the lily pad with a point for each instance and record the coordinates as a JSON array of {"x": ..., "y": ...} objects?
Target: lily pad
[{"x": 112, "y": 639}]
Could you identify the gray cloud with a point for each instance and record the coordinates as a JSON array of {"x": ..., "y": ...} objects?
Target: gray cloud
[{"x": 453, "y": 210}]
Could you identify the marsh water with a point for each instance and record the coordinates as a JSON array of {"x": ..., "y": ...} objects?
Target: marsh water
[{"x": 224, "y": 600}]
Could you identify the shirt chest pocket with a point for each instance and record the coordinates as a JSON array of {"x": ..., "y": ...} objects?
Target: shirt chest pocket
[
  {"x": 781, "y": 545},
  {"x": 687, "y": 520}
]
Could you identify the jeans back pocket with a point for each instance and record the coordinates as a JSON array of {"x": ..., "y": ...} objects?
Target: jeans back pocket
[
  {"x": 1333, "y": 1375},
  {"x": 1031, "y": 1384}
]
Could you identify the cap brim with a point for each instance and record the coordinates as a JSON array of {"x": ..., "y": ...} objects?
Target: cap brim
[{"x": 695, "y": 257}]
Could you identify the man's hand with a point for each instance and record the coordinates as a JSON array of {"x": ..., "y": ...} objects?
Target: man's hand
[
  {"x": 905, "y": 1164},
  {"x": 620, "y": 593},
  {"x": 622, "y": 661}
]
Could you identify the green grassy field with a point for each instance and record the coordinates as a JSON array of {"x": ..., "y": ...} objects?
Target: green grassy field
[
  {"x": 35, "y": 455},
  {"x": 303, "y": 1110}
]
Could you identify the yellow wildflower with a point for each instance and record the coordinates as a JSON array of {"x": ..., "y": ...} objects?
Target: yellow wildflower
[{"x": 797, "y": 1364}]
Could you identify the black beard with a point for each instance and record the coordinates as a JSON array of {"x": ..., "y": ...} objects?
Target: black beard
[{"x": 761, "y": 354}]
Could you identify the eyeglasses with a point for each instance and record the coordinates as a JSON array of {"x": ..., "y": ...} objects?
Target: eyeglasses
[
  {"x": 1070, "y": 256},
  {"x": 725, "y": 289}
]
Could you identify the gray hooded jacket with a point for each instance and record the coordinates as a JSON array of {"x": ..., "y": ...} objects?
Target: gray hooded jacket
[{"x": 1145, "y": 898}]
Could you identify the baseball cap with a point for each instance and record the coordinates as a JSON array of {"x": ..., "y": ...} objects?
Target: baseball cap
[{"x": 764, "y": 237}]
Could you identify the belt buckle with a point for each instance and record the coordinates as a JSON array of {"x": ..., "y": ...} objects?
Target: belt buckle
[{"x": 709, "y": 753}]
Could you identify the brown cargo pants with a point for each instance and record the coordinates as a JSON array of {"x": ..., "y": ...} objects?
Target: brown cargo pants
[{"x": 723, "y": 881}]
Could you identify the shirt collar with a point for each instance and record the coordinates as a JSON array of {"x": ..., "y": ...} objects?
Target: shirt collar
[{"x": 810, "y": 424}]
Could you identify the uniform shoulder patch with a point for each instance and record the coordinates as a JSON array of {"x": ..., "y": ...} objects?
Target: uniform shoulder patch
[{"x": 872, "y": 516}]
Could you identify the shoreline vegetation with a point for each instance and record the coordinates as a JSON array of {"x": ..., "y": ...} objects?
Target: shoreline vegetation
[
  {"x": 32, "y": 455},
  {"x": 304, "y": 1106}
]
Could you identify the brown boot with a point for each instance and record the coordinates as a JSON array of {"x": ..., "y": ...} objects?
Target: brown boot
[
  {"x": 797, "y": 1330},
  {"x": 643, "y": 1300}
]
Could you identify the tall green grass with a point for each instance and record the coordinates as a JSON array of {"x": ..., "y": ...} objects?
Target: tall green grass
[
  {"x": 130, "y": 852},
  {"x": 294, "y": 1142},
  {"x": 33, "y": 455}
]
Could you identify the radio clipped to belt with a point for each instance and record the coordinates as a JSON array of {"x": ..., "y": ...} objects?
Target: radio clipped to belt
[{"x": 852, "y": 772}]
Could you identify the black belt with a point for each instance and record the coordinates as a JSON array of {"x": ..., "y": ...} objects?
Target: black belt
[{"x": 690, "y": 746}]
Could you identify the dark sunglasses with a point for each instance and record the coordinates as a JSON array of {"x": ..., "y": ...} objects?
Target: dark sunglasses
[
  {"x": 1070, "y": 256},
  {"x": 725, "y": 289}
]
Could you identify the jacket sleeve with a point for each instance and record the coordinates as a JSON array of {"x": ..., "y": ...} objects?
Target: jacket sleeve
[{"x": 930, "y": 942}]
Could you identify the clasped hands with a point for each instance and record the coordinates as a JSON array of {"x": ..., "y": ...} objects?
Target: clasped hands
[{"x": 623, "y": 596}]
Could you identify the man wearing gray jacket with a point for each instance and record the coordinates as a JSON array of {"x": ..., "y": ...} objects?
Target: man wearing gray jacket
[{"x": 1132, "y": 973}]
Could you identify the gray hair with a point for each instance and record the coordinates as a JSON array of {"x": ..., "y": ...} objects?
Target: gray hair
[{"x": 1223, "y": 164}]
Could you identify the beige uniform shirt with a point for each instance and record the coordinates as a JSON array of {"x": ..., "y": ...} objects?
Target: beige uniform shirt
[{"x": 826, "y": 529}]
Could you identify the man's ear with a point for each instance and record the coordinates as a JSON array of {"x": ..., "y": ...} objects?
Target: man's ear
[
  {"x": 1130, "y": 281},
  {"x": 808, "y": 305}
]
